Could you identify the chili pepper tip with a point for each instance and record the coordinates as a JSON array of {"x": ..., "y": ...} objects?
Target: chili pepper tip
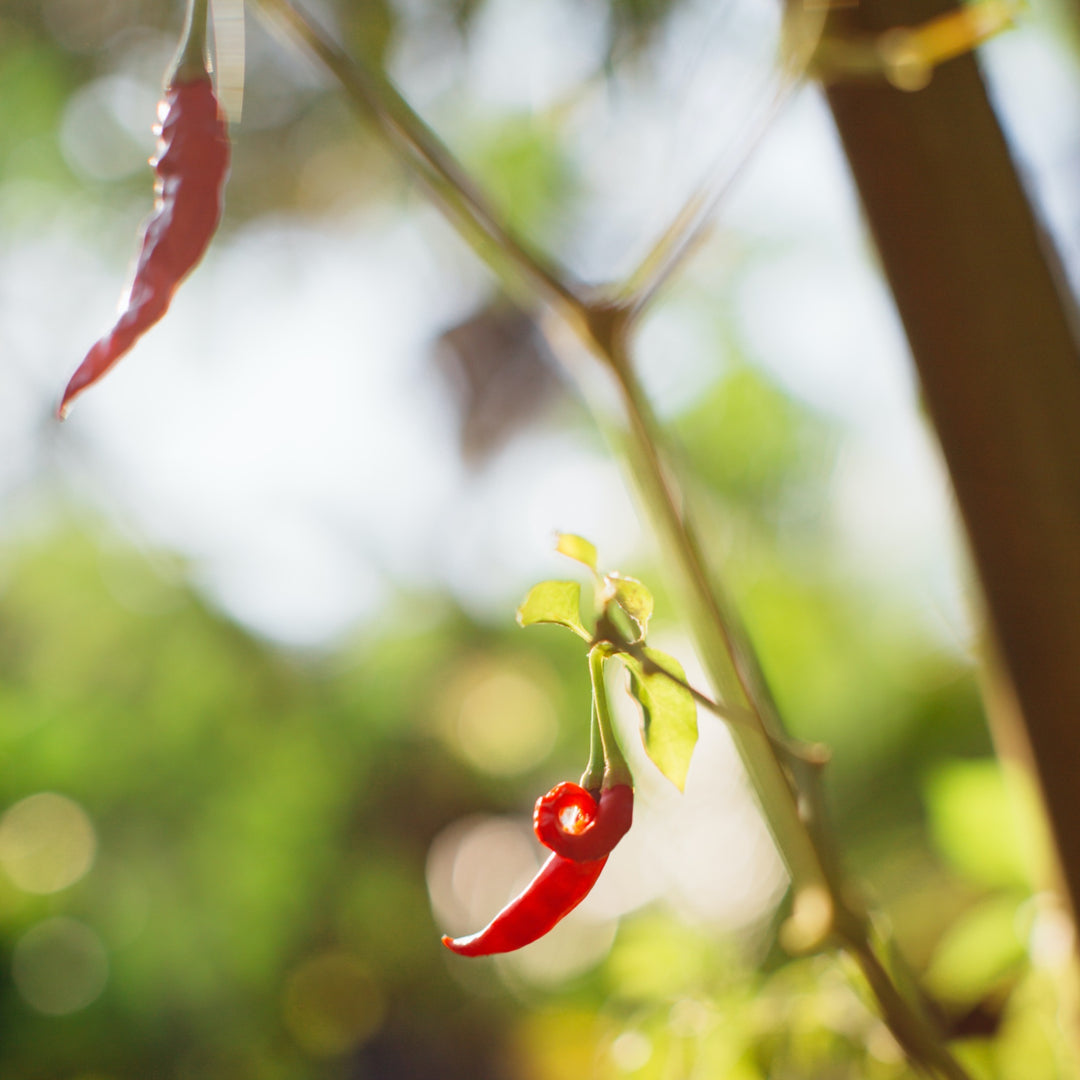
[{"x": 559, "y": 886}]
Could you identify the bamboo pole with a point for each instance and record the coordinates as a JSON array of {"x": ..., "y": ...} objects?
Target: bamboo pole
[{"x": 993, "y": 332}]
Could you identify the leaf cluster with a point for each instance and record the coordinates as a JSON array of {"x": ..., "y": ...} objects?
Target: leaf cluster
[{"x": 623, "y": 607}]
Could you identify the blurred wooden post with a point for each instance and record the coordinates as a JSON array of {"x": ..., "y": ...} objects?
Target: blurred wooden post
[{"x": 994, "y": 334}]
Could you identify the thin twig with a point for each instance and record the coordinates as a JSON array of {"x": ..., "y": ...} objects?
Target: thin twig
[
  {"x": 448, "y": 182},
  {"x": 907, "y": 1023},
  {"x": 815, "y": 755},
  {"x": 691, "y": 225}
]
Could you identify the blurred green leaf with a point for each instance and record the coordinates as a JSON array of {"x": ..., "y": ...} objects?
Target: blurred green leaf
[
  {"x": 556, "y": 602},
  {"x": 369, "y": 26},
  {"x": 656, "y": 959},
  {"x": 748, "y": 440},
  {"x": 977, "y": 951},
  {"x": 578, "y": 548},
  {"x": 669, "y": 715},
  {"x": 986, "y": 823},
  {"x": 33, "y": 85},
  {"x": 522, "y": 163},
  {"x": 634, "y": 598}
]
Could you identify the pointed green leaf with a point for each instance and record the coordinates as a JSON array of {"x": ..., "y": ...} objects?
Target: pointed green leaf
[
  {"x": 634, "y": 598},
  {"x": 668, "y": 713},
  {"x": 554, "y": 602},
  {"x": 577, "y": 548}
]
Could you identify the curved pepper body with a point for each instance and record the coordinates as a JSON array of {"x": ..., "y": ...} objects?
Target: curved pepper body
[
  {"x": 570, "y": 821},
  {"x": 581, "y": 832},
  {"x": 556, "y": 890},
  {"x": 191, "y": 166}
]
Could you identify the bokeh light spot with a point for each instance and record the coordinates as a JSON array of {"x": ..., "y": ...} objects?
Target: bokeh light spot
[
  {"x": 499, "y": 718},
  {"x": 46, "y": 843},
  {"x": 474, "y": 867},
  {"x": 60, "y": 966},
  {"x": 106, "y": 132},
  {"x": 631, "y": 1051},
  {"x": 331, "y": 1003},
  {"x": 690, "y": 1018}
]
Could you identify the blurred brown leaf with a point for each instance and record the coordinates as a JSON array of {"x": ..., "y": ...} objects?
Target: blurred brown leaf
[{"x": 502, "y": 374}]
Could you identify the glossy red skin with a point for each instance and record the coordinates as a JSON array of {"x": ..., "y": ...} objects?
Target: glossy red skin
[
  {"x": 611, "y": 820},
  {"x": 567, "y": 876},
  {"x": 191, "y": 166},
  {"x": 556, "y": 890}
]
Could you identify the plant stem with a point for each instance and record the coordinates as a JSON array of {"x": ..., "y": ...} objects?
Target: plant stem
[
  {"x": 449, "y": 185},
  {"x": 690, "y": 226},
  {"x": 908, "y": 1024},
  {"x": 616, "y": 770},
  {"x": 787, "y": 785},
  {"x": 189, "y": 64},
  {"x": 593, "y": 777},
  {"x": 787, "y": 748},
  {"x": 726, "y": 656},
  {"x": 792, "y": 802}
]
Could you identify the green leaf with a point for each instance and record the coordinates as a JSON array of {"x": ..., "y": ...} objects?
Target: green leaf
[
  {"x": 556, "y": 602},
  {"x": 577, "y": 548},
  {"x": 985, "y": 819},
  {"x": 634, "y": 598},
  {"x": 669, "y": 715},
  {"x": 977, "y": 952}
]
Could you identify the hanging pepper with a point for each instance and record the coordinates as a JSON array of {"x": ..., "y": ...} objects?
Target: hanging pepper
[
  {"x": 578, "y": 827},
  {"x": 580, "y": 832},
  {"x": 191, "y": 167}
]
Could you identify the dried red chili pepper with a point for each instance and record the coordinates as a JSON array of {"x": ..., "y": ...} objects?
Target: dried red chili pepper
[
  {"x": 191, "y": 166},
  {"x": 581, "y": 832}
]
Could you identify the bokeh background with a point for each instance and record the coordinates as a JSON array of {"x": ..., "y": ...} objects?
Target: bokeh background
[{"x": 267, "y": 725}]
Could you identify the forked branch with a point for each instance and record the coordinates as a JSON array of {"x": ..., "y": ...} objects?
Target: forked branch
[{"x": 787, "y": 784}]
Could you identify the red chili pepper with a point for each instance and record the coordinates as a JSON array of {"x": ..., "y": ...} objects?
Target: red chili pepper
[
  {"x": 568, "y": 816},
  {"x": 570, "y": 822},
  {"x": 191, "y": 166}
]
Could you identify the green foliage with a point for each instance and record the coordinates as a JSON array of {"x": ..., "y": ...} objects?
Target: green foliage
[
  {"x": 750, "y": 442},
  {"x": 987, "y": 827},
  {"x": 577, "y": 548},
  {"x": 251, "y": 817},
  {"x": 979, "y": 953},
  {"x": 668, "y": 712},
  {"x": 520, "y": 160},
  {"x": 556, "y": 602},
  {"x": 34, "y": 83},
  {"x": 263, "y": 823},
  {"x": 634, "y": 598}
]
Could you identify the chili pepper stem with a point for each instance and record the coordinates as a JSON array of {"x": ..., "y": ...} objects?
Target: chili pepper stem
[
  {"x": 616, "y": 770},
  {"x": 191, "y": 61},
  {"x": 593, "y": 776}
]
